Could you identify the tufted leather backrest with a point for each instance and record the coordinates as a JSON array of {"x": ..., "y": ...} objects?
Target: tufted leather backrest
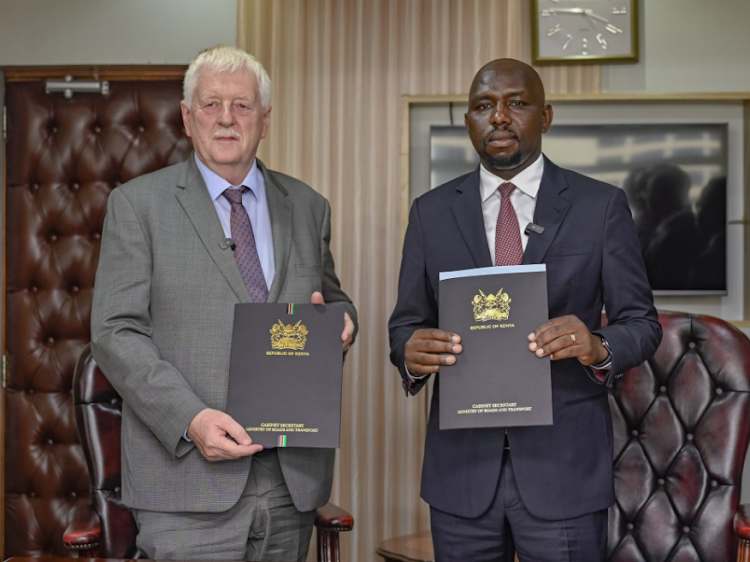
[
  {"x": 63, "y": 159},
  {"x": 681, "y": 426},
  {"x": 99, "y": 417}
]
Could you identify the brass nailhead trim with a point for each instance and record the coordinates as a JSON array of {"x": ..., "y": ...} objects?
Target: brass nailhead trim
[{"x": 82, "y": 546}]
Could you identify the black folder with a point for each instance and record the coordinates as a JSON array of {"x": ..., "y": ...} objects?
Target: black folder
[
  {"x": 285, "y": 373},
  {"x": 496, "y": 381}
]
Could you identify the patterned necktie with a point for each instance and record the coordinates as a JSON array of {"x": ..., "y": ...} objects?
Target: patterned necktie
[
  {"x": 508, "y": 247},
  {"x": 245, "y": 251}
]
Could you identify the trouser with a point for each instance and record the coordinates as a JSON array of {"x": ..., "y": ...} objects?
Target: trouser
[
  {"x": 263, "y": 525},
  {"x": 507, "y": 528}
]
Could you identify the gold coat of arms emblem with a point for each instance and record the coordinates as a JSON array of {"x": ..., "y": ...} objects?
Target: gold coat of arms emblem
[
  {"x": 288, "y": 336},
  {"x": 491, "y": 307}
]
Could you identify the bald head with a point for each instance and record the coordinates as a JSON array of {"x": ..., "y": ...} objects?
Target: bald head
[
  {"x": 522, "y": 72},
  {"x": 507, "y": 116}
]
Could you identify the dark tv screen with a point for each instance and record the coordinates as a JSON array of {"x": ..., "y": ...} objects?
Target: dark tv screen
[{"x": 675, "y": 178}]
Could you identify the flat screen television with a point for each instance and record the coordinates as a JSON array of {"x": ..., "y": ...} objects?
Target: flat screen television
[{"x": 675, "y": 178}]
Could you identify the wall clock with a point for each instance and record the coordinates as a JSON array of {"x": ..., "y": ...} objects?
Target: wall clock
[{"x": 579, "y": 31}]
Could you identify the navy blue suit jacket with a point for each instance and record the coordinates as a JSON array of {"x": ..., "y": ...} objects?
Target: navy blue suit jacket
[{"x": 593, "y": 259}]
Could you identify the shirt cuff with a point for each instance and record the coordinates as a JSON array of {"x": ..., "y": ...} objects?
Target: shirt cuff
[
  {"x": 601, "y": 370},
  {"x": 604, "y": 365},
  {"x": 186, "y": 438},
  {"x": 411, "y": 383},
  {"x": 412, "y": 377}
]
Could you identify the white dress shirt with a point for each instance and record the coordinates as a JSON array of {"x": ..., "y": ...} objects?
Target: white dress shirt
[{"x": 523, "y": 198}]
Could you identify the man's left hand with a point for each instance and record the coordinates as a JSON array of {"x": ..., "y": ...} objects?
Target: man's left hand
[
  {"x": 565, "y": 337},
  {"x": 348, "y": 333}
]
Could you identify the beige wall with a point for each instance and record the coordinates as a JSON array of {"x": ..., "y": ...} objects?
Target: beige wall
[
  {"x": 79, "y": 32},
  {"x": 688, "y": 46}
]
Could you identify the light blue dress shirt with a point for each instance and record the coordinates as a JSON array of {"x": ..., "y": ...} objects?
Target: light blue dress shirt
[{"x": 256, "y": 204}]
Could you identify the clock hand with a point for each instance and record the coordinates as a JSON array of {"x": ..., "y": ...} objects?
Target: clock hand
[
  {"x": 591, "y": 14},
  {"x": 582, "y": 11},
  {"x": 590, "y": 21},
  {"x": 568, "y": 10}
]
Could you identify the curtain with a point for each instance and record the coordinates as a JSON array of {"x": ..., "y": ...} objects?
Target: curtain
[{"x": 338, "y": 70}]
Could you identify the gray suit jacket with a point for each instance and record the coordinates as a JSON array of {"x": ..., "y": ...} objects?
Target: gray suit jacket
[{"x": 161, "y": 329}]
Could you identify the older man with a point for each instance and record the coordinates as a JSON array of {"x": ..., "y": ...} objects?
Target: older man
[
  {"x": 162, "y": 318},
  {"x": 543, "y": 491}
]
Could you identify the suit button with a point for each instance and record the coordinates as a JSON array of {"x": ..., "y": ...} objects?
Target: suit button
[
  {"x": 689, "y": 436},
  {"x": 630, "y": 526},
  {"x": 661, "y": 481}
]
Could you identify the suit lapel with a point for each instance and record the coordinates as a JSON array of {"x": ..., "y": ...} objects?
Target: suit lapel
[
  {"x": 280, "y": 210},
  {"x": 467, "y": 210},
  {"x": 550, "y": 211},
  {"x": 196, "y": 202}
]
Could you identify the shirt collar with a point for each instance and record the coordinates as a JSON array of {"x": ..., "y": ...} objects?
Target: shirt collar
[
  {"x": 216, "y": 184},
  {"x": 528, "y": 181}
]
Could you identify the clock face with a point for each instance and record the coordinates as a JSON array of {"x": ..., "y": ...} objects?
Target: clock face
[{"x": 580, "y": 30}]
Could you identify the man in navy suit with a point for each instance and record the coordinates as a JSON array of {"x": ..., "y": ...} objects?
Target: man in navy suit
[{"x": 541, "y": 491}]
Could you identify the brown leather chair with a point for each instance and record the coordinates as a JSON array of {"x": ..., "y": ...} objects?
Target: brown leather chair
[
  {"x": 681, "y": 431},
  {"x": 106, "y": 528}
]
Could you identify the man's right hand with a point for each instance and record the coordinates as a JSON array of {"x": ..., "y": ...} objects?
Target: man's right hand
[
  {"x": 429, "y": 348},
  {"x": 210, "y": 431}
]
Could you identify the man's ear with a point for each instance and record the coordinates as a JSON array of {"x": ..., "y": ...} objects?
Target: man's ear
[
  {"x": 546, "y": 117},
  {"x": 185, "y": 117},
  {"x": 266, "y": 121}
]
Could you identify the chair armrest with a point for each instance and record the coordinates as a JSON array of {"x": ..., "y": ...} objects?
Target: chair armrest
[
  {"x": 742, "y": 532},
  {"x": 84, "y": 528},
  {"x": 331, "y": 517},
  {"x": 742, "y": 522}
]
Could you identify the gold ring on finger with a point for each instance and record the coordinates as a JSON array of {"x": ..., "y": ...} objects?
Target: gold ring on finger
[{"x": 573, "y": 338}]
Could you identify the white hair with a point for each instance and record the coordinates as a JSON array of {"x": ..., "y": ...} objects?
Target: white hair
[{"x": 223, "y": 58}]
